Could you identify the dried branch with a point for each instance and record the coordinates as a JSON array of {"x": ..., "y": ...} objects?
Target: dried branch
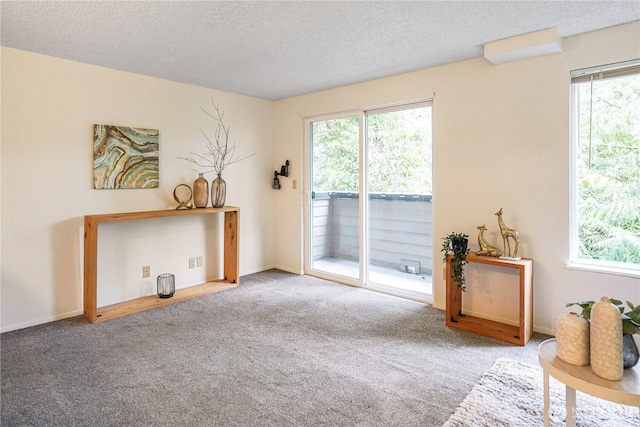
[{"x": 218, "y": 154}]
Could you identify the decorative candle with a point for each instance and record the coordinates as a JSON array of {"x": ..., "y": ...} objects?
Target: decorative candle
[{"x": 166, "y": 285}]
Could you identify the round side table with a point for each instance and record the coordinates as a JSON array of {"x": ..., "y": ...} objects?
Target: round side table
[{"x": 626, "y": 391}]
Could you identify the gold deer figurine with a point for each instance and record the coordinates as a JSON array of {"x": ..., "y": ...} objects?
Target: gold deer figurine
[
  {"x": 506, "y": 233},
  {"x": 485, "y": 248}
]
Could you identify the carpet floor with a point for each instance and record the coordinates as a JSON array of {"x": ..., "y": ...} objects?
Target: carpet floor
[{"x": 279, "y": 350}]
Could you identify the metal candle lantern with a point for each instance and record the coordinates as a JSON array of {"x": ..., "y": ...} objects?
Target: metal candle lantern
[{"x": 166, "y": 285}]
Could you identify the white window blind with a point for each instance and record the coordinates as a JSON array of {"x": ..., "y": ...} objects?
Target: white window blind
[{"x": 607, "y": 71}]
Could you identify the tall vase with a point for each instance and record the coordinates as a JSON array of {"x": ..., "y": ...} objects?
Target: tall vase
[
  {"x": 218, "y": 192},
  {"x": 606, "y": 340},
  {"x": 200, "y": 192}
]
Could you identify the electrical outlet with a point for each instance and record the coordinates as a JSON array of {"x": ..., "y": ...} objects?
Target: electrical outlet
[
  {"x": 146, "y": 271},
  {"x": 199, "y": 261},
  {"x": 192, "y": 262}
]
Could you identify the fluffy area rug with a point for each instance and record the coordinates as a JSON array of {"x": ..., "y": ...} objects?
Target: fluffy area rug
[{"x": 511, "y": 394}]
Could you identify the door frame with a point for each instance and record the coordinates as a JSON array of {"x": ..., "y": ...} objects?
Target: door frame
[{"x": 363, "y": 280}]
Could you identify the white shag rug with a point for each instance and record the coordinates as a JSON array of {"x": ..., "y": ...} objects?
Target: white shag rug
[{"x": 511, "y": 394}]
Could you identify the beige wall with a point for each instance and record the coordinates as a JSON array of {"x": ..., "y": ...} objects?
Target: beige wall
[
  {"x": 48, "y": 108},
  {"x": 501, "y": 139}
]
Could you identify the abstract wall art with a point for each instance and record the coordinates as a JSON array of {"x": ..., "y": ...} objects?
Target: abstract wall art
[{"x": 125, "y": 157}]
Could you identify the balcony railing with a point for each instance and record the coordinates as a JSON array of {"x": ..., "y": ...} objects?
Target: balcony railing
[{"x": 400, "y": 229}]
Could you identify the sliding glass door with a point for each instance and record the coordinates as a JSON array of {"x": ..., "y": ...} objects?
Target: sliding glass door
[
  {"x": 335, "y": 183},
  {"x": 368, "y": 217},
  {"x": 399, "y": 220}
]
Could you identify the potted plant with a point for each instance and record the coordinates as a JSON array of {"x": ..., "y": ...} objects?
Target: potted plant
[
  {"x": 456, "y": 244},
  {"x": 630, "y": 325}
]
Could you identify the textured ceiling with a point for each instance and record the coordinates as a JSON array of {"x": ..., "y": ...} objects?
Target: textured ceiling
[{"x": 275, "y": 50}]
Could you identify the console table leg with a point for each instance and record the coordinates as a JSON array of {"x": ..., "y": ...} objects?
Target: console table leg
[
  {"x": 571, "y": 406},
  {"x": 545, "y": 379}
]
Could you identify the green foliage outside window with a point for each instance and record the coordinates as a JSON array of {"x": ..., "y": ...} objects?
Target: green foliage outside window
[
  {"x": 399, "y": 145},
  {"x": 335, "y": 155},
  {"x": 608, "y": 170},
  {"x": 399, "y": 152}
]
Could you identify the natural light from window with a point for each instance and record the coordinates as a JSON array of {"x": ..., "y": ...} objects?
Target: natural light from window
[{"x": 606, "y": 172}]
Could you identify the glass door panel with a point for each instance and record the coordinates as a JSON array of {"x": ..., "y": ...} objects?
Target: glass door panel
[
  {"x": 334, "y": 206},
  {"x": 399, "y": 208}
]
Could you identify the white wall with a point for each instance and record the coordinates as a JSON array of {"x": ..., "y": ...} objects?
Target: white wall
[
  {"x": 48, "y": 108},
  {"x": 501, "y": 140}
]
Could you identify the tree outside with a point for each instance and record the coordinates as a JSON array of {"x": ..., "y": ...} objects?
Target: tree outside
[
  {"x": 608, "y": 170},
  {"x": 335, "y": 154},
  {"x": 399, "y": 153}
]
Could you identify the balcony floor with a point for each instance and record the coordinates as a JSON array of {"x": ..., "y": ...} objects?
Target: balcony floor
[{"x": 392, "y": 278}]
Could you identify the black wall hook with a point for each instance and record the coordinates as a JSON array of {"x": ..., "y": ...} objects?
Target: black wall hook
[{"x": 284, "y": 171}]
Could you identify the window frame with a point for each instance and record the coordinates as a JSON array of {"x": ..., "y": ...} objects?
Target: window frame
[{"x": 575, "y": 262}]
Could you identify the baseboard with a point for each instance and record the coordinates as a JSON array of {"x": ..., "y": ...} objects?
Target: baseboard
[
  {"x": 271, "y": 267},
  {"x": 289, "y": 270},
  {"x": 40, "y": 321},
  {"x": 538, "y": 329},
  {"x": 257, "y": 270},
  {"x": 412, "y": 296},
  {"x": 546, "y": 331}
]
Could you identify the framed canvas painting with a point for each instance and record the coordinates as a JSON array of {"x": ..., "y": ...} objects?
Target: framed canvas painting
[{"x": 125, "y": 157}]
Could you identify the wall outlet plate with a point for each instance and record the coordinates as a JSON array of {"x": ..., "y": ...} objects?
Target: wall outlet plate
[{"x": 146, "y": 271}]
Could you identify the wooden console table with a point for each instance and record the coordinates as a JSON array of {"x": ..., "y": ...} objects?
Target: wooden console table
[
  {"x": 514, "y": 334},
  {"x": 231, "y": 263}
]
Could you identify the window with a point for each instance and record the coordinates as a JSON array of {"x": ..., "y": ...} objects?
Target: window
[{"x": 606, "y": 167}]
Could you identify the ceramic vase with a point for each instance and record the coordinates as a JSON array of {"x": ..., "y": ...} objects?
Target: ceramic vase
[
  {"x": 630, "y": 354},
  {"x": 572, "y": 339},
  {"x": 218, "y": 192},
  {"x": 606, "y": 340},
  {"x": 200, "y": 192}
]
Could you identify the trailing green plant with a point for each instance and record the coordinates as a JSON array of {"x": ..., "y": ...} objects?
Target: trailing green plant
[
  {"x": 630, "y": 319},
  {"x": 457, "y": 245}
]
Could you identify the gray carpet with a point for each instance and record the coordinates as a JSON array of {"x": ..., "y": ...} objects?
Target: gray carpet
[
  {"x": 280, "y": 350},
  {"x": 508, "y": 394}
]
